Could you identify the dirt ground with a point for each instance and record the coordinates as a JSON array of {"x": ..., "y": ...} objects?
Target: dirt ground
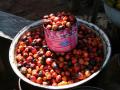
[{"x": 35, "y": 9}]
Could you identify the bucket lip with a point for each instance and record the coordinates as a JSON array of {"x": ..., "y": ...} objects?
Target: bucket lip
[
  {"x": 15, "y": 69},
  {"x": 74, "y": 25}
]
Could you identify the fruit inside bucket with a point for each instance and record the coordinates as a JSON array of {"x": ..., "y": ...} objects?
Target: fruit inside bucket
[{"x": 61, "y": 31}]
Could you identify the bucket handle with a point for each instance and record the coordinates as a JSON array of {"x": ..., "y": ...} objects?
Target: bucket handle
[{"x": 19, "y": 85}]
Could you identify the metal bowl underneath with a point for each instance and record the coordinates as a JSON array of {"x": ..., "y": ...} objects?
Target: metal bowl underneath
[
  {"x": 23, "y": 86},
  {"x": 88, "y": 88}
]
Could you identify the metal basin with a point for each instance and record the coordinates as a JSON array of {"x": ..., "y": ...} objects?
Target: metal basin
[{"x": 98, "y": 31}]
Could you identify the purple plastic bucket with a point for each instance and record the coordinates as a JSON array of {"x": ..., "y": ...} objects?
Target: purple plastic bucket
[{"x": 62, "y": 40}]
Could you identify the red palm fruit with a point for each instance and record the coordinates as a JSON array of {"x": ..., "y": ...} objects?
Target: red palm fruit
[
  {"x": 68, "y": 24},
  {"x": 58, "y": 78},
  {"x": 45, "y": 17},
  {"x": 64, "y": 78},
  {"x": 30, "y": 39},
  {"x": 39, "y": 80},
  {"x": 49, "y": 61},
  {"x": 67, "y": 73},
  {"x": 56, "y": 19},
  {"x": 54, "y": 74},
  {"x": 48, "y": 53},
  {"x": 29, "y": 58},
  {"x": 58, "y": 23},
  {"x": 19, "y": 57},
  {"x": 54, "y": 84},
  {"x": 29, "y": 70},
  {"x": 34, "y": 72},
  {"x": 67, "y": 57},
  {"x": 33, "y": 78},
  {"x": 21, "y": 48},
  {"x": 54, "y": 27},
  {"x": 51, "y": 15},
  {"x": 75, "y": 51},
  {"x": 61, "y": 65},
  {"x": 28, "y": 75},
  {"x": 61, "y": 59},
  {"x": 85, "y": 54},
  {"x": 23, "y": 70},
  {"x": 45, "y": 83},
  {"x": 80, "y": 76},
  {"x": 48, "y": 75},
  {"x": 34, "y": 50},
  {"x": 65, "y": 18},
  {"x": 49, "y": 27},
  {"x": 87, "y": 73},
  {"x": 74, "y": 60}
]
